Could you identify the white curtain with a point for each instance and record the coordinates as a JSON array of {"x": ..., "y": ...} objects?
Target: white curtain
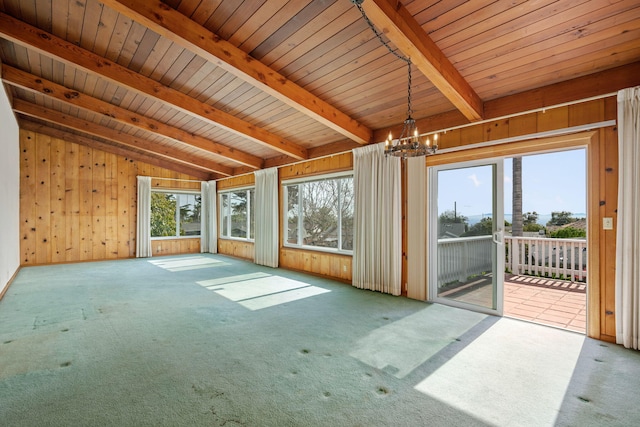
[
  {"x": 417, "y": 226},
  {"x": 208, "y": 218},
  {"x": 377, "y": 247},
  {"x": 266, "y": 217},
  {"x": 628, "y": 230},
  {"x": 143, "y": 230}
]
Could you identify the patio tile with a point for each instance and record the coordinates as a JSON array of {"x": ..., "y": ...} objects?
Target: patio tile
[{"x": 546, "y": 301}]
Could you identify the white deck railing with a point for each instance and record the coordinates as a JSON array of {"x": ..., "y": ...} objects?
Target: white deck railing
[
  {"x": 464, "y": 257},
  {"x": 538, "y": 256}
]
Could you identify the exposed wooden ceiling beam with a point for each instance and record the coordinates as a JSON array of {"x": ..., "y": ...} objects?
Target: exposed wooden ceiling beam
[
  {"x": 27, "y": 124},
  {"x": 32, "y": 83},
  {"x": 52, "y": 116},
  {"x": 395, "y": 21},
  {"x": 178, "y": 28},
  {"x": 51, "y": 46}
]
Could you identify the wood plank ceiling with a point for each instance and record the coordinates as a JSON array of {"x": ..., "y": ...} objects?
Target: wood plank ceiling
[{"x": 217, "y": 88}]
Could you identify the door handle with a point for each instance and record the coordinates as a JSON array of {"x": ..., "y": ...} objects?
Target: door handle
[{"x": 498, "y": 237}]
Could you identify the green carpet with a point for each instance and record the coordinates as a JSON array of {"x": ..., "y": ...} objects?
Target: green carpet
[{"x": 208, "y": 340}]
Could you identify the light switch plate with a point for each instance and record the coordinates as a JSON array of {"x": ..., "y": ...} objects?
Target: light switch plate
[{"x": 607, "y": 223}]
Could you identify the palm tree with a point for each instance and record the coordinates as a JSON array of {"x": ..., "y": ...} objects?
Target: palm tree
[{"x": 516, "y": 226}]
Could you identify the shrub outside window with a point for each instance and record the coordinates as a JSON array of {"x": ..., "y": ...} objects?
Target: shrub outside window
[
  {"x": 237, "y": 219},
  {"x": 175, "y": 214},
  {"x": 319, "y": 214}
]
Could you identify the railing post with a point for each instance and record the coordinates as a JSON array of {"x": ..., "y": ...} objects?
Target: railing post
[{"x": 515, "y": 258}]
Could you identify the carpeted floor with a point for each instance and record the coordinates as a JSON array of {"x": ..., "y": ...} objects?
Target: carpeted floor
[{"x": 212, "y": 341}]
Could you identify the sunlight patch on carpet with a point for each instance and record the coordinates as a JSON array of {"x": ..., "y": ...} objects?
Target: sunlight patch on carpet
[
  {"x": 402, "y": 346},
  {"x": 184, "y": 264},
  {"x": 256, "y": 291},
  {"x": 521, "y": 382},
  {"x": 230, "y": 279}
]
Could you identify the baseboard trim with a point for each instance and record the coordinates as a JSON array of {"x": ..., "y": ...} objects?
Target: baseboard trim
[{"x": 6, "y": 287}]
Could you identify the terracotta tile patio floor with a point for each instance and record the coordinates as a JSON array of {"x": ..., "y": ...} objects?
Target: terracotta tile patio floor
[{"x": 558, "y": 303}]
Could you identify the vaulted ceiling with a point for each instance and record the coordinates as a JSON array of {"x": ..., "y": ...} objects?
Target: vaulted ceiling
[{"x": 217, "y": 88}]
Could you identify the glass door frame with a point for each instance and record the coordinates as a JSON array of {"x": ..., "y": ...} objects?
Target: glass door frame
[{"x": 497, "y": 234}]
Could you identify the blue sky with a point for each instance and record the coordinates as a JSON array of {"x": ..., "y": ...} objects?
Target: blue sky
[{"x": 550, "y": 182}]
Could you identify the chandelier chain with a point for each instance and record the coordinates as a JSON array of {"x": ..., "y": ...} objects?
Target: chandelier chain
[
  {"x": 409, "y": 109},
  {"x": 408, "y": 144},
  {"x": 358, "y": 4},
  {"x": 394, "y": 52}
]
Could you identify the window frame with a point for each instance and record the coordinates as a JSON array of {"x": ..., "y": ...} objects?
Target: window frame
[
  {"x": 177, "y": 214},
  {"x": 250, "y": 225},
  {"x": 285, "y": 211}
]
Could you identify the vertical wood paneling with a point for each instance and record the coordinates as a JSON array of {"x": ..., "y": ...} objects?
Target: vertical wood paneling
[
  {"x": 58, "y": 213},
  {"x": 609, "y": 180},
  {"x": 84, "y": 189},
  {"x": 556, "y": 118},
  {"x": 72, "y": 202},
  {"x": 238, "y": 249},
  {"x": 43, "y": 199},
  {"x": 123, "y": 203},
  {"x": 98, "y": 201},
  {"x": 111, "y": 206},
  {"x": 132, "y": 210},
  {"x": 27, "y": 191},
  {"x": 79, "y": 203}
]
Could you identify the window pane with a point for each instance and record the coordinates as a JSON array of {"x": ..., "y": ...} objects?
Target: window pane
[
  {"x": 238, "y": 203},
  {"x": 292, "y": 214},
  {"x": 163, "y": 215},
  {"x": 224, "y": 215},
  {"x": 189, "y": 214},
  {"x": 252, "y": 215},
  {"x": 320, "y": 213},
  {"x": 346, "y": 194}
]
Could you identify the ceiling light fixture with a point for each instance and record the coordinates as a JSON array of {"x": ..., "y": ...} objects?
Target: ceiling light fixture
[{"x": 408, "y": 144}]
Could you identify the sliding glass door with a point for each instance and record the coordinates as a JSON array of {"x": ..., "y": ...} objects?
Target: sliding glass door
[{"x": 466, "y": 247}]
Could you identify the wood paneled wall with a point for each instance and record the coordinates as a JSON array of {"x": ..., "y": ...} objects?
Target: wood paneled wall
[
  {"x": 79, "y": 203},
  {"x": 237, "y": 248}
]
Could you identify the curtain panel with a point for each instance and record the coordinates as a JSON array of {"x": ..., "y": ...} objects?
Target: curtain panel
[
  {"x": 208, "y": 218},
  {"x": 143, "y": 228},
  {"x": 417, "y": 226},
  {"x": 266, "y": 217},
  {"x": 628, "y": 230},
  {"x": 377, "y": 246}
]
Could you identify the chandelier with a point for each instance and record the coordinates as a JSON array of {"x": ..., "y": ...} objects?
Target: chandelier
[{"x": 408, "y": 144}]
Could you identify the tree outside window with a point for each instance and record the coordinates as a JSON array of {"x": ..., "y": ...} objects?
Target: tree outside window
[
  {"x": 175, "y": 214},
  {"x": 237, "y": 218},
  {"x": 320, "y": 213}
]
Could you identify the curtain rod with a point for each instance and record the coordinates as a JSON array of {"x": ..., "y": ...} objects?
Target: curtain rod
[
  {"x": 522, "y": 113},
  {"x": 172, "y": 179}
]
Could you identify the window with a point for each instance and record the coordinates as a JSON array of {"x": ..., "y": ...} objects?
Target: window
[
  {"x": 237, "y": 215},
  {"x": 175, "y": 214},
  {"x": 320, "y": 213}
]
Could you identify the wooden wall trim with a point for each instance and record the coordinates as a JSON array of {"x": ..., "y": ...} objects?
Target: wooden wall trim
[
  {"x": 236, "y": 181},
  {"x": 9, "y": 282}
]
